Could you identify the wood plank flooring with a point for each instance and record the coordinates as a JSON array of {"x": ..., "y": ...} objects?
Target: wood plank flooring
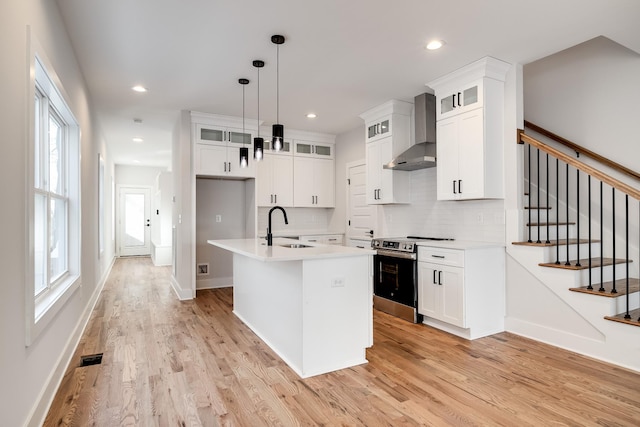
[{"x": 193, "y": 363}]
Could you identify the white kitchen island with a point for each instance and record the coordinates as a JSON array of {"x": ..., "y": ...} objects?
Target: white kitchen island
[{"x": 312, "y": 305}]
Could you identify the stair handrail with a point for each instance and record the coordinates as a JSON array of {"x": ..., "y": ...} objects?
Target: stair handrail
[
  {"x": 581, "y": 150},
  {"x": 590, "y": 170}
]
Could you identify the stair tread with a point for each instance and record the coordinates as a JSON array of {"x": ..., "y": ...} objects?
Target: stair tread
[
  {"x": 621, "y": 287},
  {"x": 535, "y": 224},
  {"x": 634, "y": 320},
  {"x": 555, "y": 242},
  {"x": 584, "y": 263}
]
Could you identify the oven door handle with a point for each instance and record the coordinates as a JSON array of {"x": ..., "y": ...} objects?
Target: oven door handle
[{"x": 394, "y": 254}]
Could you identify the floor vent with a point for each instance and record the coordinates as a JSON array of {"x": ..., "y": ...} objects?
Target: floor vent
[{"x": 91, "y": 359}]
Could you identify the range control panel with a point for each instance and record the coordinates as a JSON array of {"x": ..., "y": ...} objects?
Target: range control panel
[{"x": 393, "y": 245}]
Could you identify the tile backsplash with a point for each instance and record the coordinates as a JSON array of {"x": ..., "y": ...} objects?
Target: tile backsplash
[
  {"x": 300, "y": 219},
  {"x": 478, "y": 220}
]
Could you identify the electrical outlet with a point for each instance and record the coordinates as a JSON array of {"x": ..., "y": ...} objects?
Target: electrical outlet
[
  {"x": 202, "y": 269},
  {"x": 337, "y": 282},
  {"x": 218, "y": 218}
]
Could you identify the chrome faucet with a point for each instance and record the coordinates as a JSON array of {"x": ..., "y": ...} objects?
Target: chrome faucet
[{"x": 269, "y": 235}]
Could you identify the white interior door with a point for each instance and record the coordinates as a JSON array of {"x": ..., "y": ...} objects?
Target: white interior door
[
  {"x": 134, "y": 221},
  {"x": 361, "y": 217}
]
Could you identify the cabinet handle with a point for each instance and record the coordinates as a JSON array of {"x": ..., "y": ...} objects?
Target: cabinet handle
[
  {"x": 459, "y": 96},
  {"x": 454, "y": 186},
  {"x": 229, "y": 166},
  {"x": 434, "y": 277},
  {"x": 440, "y": 278},
  {"x": 454, "y": 100},
  {"x": 460, "y": 186},
  {"x": 225, "y": 166},
  {"x": 275, "y": 198},
  {"x": 438, "y": 256},
  {"x": 271, "y": 198}
]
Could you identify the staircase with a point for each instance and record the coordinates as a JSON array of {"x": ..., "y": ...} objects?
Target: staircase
[{"x": 581, "y": 235}]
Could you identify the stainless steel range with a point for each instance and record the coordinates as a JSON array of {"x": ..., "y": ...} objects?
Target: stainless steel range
[{"x": 395, "y": 277}]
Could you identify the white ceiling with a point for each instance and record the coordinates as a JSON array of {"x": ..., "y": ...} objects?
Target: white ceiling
[{"x": 341, "y": 57}]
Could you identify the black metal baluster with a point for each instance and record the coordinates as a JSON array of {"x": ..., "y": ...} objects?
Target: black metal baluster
[
  {"x": 613, "y": 233},
  {"x": 578, "y": 217},
  {"x": 538, "y": 191},
  {"x": 626, "y": 218},
  {"x": 547, "y": 206},
  {"x": 529, "y": 192},
  {"x": 568, "y": 262},
  {"x": 558, "y": 212},
  {"x": 589, "y": 223},
  {"x": 601, "y": 243}
]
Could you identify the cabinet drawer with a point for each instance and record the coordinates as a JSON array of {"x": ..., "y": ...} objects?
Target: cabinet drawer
[
  {"x": 333, "y": 239},
  {"x": 453, "y": 257}
]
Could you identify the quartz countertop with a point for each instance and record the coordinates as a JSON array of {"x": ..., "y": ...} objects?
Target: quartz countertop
[{"x": 258, "y": 249}]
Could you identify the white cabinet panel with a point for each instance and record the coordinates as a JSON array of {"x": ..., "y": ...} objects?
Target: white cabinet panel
[
  {"x": 275, "y": 180},
  {"x": 314, "y": 182}
]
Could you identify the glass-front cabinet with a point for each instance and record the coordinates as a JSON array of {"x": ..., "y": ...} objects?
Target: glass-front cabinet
[
  {"x": 222, "y": 135},
  {"x": 379, "y": 129},
  {"x": 314, "y": 149},
  {"x": 460, "y": 100}
]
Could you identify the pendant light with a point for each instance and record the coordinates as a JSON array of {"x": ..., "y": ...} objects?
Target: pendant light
[
  {"x": 277, "y": 132},
  {"x": 244, "y": 151},
  {"x": 258, "y": 143}
]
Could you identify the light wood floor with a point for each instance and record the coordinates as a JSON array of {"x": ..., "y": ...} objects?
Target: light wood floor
[{"x": 172, "y": 363}]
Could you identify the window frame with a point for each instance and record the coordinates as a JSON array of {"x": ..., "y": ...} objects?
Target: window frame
[{"x": 46, "y": 94}]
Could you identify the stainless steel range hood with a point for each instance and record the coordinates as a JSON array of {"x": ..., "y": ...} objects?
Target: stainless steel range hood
[{"x": 422, "y": 154}]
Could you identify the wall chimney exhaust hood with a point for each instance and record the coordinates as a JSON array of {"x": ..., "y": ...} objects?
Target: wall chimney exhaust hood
[{"x": 422, "y": 154}]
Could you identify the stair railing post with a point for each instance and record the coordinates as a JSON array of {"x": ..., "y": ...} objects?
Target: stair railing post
[
  {"x": 529, "y": 192},
  {"x": 578, "y": 217},
  {"x": 557, "y": 212},
  {"x": 538, "y": 192},
  {"x": 568, "y": 262},
  {"x": 613, "y": 235},
  {"x": 590, "y": 287},
  {"x": 547, "y": 205},
  {"x": 601, "y": 242},
  {"x": 626, "y": 216}
]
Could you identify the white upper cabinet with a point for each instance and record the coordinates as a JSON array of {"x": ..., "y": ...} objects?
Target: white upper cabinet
[
  {"x": 470, "y": 131},
  {"x": 314, "y": 149},
  {"x": 275, "y": 180},
  {"x": 387, "y": 134},
  {"x": 216, "y": 145},
  {"x": 314, "y": 182}
]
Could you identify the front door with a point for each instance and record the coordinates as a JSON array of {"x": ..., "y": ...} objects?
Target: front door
[{"x": 134, "y": 221}]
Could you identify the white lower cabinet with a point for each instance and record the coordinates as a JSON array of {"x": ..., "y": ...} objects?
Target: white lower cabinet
[
  {"x": 462, "y": 291},
  {"x": 325, "y": 239}
]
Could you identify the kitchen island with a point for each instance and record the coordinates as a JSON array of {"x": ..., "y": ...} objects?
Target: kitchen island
[{"x": 311, "y": 303}]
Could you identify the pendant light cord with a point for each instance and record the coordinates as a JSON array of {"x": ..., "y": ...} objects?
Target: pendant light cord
[
  {"x": 258, "y": 102},
  {"x": 243, "y": 132},
  {"x": 278, "y": 83}
]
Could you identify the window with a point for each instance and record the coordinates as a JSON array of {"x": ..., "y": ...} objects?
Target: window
[{"x": 54, "y": 230}]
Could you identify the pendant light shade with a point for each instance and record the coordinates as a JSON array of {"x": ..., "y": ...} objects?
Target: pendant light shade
[
  {"x": 258, "y": 143},
  {"x": 277, "y": 131},
  {"x": 244, "y": 151}
]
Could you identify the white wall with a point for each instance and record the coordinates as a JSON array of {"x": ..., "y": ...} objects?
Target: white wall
[
  {"x": 30, "y": 375},
  {"x": 144, "y": 176}
]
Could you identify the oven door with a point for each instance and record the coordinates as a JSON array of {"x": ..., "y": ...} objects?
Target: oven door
[{"x": 395, "y": 277}]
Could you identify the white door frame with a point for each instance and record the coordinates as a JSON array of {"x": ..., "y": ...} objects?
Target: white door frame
[{"x": 121, "y": 188}]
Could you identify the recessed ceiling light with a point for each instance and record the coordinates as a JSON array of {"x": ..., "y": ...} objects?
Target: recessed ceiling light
[
  {"x": 311, "y": 116},
  {"x": 435, "y": 44},
  {"x": 139, "y": 88},
  {"x": 137, "y": 139}
]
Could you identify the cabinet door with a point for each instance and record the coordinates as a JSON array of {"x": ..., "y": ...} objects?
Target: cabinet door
[
  {"x": 374, "y": 170},
  {"x": 264, "y": 181},
  {"x": 233, "y": 164},
  {"x": 464, "y": 98},
  {"x": 211, "y": 134},
  {"x": 428, "y": 290},
  {"x": 282, "y": 179},
  {"x": 378, "y": 129},
  {"x": 385, "y": 192},
  {"x": 447, "y": 152},
  {"x": 452, "y": 300},
  {"x": 471, "y": 162},
  {"x": 324, "y": 183},
  {"x": 239, "y": 137},
  {"x": 303, "y": 178},
  {"x": 211, "y": 160}
]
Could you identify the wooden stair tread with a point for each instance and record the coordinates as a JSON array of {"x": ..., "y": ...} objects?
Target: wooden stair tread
[
  {"x": 544, "y": 224},
  {"x": 621, "y": 287},
  {"x": 555, "y": 242},
  {"x": 634, "y": 320},
  {"x": 584, "y": 263}
]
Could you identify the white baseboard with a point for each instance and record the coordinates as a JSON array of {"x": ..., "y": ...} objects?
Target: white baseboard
[
  {"x": 43, "y": 403},
  {"x": 182, "y": 294},
  {"x": 215, "y": 283}
]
